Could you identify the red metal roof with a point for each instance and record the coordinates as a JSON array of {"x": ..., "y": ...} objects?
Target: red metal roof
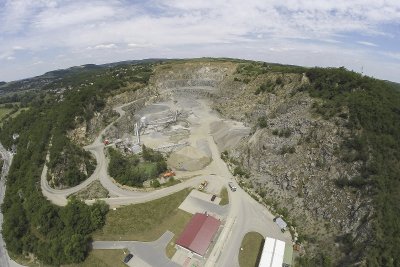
[{"x": 199, "y": 233}]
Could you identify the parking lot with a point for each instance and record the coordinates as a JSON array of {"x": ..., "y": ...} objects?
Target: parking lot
[{"x": 200, "y": 202}]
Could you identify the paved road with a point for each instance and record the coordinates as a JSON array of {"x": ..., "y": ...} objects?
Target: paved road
[
  {"x": 148, "y": 253},
  {"x": 5, "y": 260}
]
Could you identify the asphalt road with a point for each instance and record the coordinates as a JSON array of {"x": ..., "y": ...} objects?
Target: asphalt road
[
  {"x": 5, "y": 260},
  {"x": 147, "y": 253}
]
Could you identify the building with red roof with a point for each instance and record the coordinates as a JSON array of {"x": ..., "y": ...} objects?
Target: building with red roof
[{"x": 199, "y": 233}]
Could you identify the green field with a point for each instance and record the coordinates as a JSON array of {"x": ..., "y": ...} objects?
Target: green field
[
  {"x": 146, "y": 221},
  {"x": 4, "y": 111},
  {"x": 252, "y": 244}
]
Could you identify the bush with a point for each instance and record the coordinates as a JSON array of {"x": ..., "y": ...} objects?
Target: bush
[
  {"x": 287, "y": 149},
  {"x": 155, "y": 183},
  {"x": 238, "y": 171},
  {"x": 265, "y": 87},
  {"x": 224, "y": 155},
  {"x": 286, "y": 132},
  {"x": 262, "y": 122}
]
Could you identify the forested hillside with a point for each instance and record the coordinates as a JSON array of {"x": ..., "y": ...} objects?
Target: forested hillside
[
  {"x": 374, "y": 108},
  {"x": 32, "y": 224}
]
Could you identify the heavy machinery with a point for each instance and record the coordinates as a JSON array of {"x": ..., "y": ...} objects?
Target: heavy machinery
[
  {"x": 168, "y": 174},
  {"x": 203, "y": 185}
]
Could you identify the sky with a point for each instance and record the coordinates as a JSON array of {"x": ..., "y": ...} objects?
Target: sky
[{"x": 37, "y": 36}]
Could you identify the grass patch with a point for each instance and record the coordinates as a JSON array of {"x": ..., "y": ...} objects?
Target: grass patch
[
  {"x": 103, "y": 258},
  {"x": 178, "y": 222},
  {"x": 94, "y": 190},
  {"x": 172, "y": 181},
  {"x": 145, "y": 221},
  {"x": 252, "y": 244},
  {"x": 4, "y": 111},
  {"x": 224, "y": 196}
]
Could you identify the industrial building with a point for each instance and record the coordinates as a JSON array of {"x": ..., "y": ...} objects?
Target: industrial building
[{"x": 199, "y": 233}]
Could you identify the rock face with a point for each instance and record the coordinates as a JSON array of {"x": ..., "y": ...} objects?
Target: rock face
[{"x": 295, "y": 160}]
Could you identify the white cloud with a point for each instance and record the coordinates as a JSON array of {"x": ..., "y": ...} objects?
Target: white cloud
[
  {"x": 104, "y": 46},
  {"x": 74, "y": 14},
  {"x": 82, "y": 30},
  {"x": 367, "y": 43}
]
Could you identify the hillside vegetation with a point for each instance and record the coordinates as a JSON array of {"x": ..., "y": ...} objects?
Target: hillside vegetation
[
  {"x": 133, "y": 170},
  {"x": 32, "y": 224},
  {"x": 374, "y": 109}
]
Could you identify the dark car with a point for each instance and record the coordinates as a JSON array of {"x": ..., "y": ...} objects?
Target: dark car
[
  {"x": 213, "y": 197},
  {"x": 128, "y": 258}
]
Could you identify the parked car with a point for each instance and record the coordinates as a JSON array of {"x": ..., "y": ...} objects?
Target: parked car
[
  {"x": 232, "y": 186},
  {"x": 128, "y": 258},
  {"x": 213, "y": 197}
]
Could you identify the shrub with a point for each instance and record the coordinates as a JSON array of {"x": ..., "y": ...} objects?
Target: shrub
[
  {"x": 262, "y": 122},
  {"x": 287, "y": 149},
  {"x": 155, "y": 183}
]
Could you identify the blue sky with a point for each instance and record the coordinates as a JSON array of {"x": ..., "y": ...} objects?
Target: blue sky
[{"x": 42, "y": 35}]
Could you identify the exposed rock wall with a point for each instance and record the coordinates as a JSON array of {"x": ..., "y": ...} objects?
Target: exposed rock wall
[{"x": 295, "y": 160}]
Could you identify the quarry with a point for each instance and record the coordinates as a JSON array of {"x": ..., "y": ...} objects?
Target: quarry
[
  {"x": 223, "y": 125},
  {"x": 287, "y": 165}
]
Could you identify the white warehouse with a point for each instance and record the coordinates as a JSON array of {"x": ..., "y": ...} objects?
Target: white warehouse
[{"x": 275, "y": 253}]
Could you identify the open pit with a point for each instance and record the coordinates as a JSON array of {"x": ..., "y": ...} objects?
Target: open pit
[{"x": 180, "y": 126}]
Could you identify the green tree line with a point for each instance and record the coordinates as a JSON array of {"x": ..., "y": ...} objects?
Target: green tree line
[{"x": 55, "y": 235}]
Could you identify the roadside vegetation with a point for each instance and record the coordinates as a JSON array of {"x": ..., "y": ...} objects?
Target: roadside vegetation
[
  {"x": 251, "y": 249},
  {"x": 224, "y": 196},
  {"x": 93, "y": 191},
  {"x": 133, "y": 170},
  {"x": 103, "y": 258}
]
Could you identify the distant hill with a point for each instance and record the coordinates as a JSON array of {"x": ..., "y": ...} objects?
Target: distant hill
[
  {"x": 394, "y": 85},
  {"x": 40, "y": 82}
]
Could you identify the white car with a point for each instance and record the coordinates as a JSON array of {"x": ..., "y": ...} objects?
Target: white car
[{"x": 232, "y": 186}]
